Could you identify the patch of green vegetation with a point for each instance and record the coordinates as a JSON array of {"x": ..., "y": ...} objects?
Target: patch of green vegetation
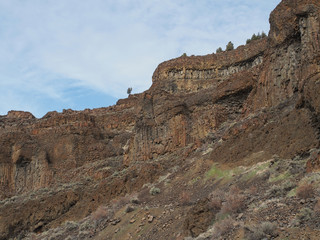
[
  {"x": 217, "y": 173},
  {"x": 280, "y": 177},
  {"x": 256, "y": 37},
  {"x": 292, "y": 193},
  {"x": 194, "y": 180},
  {"x": 219, "y": 50},
  {"x": 221, "y": 216},
  {"x": 304, "y": 215},
  {"x": 249, "y": 175},
  {"x": 229, "y": 46},
  {"x": 282, "y": 189}
]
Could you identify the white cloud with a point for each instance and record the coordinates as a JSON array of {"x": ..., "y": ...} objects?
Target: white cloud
[{"x": 110, "y": 45}]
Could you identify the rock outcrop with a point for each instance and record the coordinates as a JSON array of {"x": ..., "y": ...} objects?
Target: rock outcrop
[{"x": 263, "y": 96}]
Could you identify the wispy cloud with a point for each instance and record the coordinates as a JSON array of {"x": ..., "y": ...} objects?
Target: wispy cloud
[{"x": 51, "y": 50}]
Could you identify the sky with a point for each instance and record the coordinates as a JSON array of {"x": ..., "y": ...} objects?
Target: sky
[{"x": 78, "y": 54}]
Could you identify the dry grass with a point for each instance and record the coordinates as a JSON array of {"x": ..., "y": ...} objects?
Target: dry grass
[
  {"x": 185, "y": 198},
  {"x": 234, "y": 203},
  {"x": 265, "y": 230},
  {"x": 317, "y": 207},
  {"x": 234, "y": 190},
  {"x": 118, "y": 203},
  {"x": 223, "y": 227},
  {"x": 100, "y": 213},
  {"x": 216, "y": 198},
  {"x": 215, "y": 203},
  {"x": 253, "y": 190},
  {"x": 269, "y": 228},
  {"x": 305, "y": 191}
]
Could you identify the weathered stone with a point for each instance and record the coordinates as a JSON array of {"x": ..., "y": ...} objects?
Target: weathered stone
[
  {"x": 198, "y": 218},
  {"x": 150, "y": 218},
  {"x": 262, "y": 97}
]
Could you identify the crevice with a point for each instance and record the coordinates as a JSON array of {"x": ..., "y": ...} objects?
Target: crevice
[
  {"x": 235, "y": 97},
  {"x": 22, "y": 162}
]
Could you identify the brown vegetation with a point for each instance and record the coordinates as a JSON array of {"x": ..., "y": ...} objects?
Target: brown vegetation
[{"x": 305, "y": 190}]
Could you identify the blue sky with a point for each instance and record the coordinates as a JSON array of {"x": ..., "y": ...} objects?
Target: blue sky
[{"x": 60, "y": 54}]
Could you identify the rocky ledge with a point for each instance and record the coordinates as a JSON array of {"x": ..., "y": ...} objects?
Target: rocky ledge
[{"x": 235, "y": 109}]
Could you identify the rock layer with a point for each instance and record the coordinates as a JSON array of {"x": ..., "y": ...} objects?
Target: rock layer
[{"x": 262, "y": 97}]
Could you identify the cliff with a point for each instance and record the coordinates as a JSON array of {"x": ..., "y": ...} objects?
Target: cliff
[{"x": 240, "y": 107}]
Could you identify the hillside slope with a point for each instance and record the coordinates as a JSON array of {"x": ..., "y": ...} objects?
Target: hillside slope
[{"x": 221, "y": 145}]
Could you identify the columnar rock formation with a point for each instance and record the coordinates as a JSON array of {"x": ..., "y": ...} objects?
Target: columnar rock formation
[{"x": 263, "y": 96}]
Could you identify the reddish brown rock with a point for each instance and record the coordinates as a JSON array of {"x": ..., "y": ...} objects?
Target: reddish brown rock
[
  {"x": 19, "y": 115},
  {"x": 313, "y": 165},
  {"x": 199, "y": 218},
  {"x": 262, "y": 97}
]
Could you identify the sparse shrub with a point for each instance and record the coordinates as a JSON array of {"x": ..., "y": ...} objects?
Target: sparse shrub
[
  {"x": 87, "y": 225},
  {"x": 304, "y": 215},
  {"x": 83, "y": 235},
  {"x": 281, "y": 190},
  {"x": 154, "y": 191},
  {"x": 288, "y": 185},
  {"x": 135, "y": 201},
  {"x": 56, "y": 235},
  {"x": 234, "y": 190},
  {"x": 215, "y": 203},
  {"x": 223, "y": 227},
  {"x": 184, "y": 55},
  {"x": 69, "y": 238},
  {"x": 269, "y": 228},
  {"x": 184, "y": 198},
  {"x": 219, "y": 50},
  {"x": 118, "y": 203},
  {"x": 264, "y": 230},
  {"x": 221, "y": 216},
  {"x": 229, "y": 46},
  {"x": 257, "y": 234},
  {"x": 253, "y": 190},
  {"x": 134, "y": 198},
  {"x": 317, "y": 207},
  {"x": 275, "y": 191},
  {"x": 215, "y": 200},
  {"x": 234, "y": 203},
  {"x": 305, "y": 191},
  {"x": 71, "y": 225},
  {"x": 129, "y": 209},
  {"x": 100, "y": 213}
]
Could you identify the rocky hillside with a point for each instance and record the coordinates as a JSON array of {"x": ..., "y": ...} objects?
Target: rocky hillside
[{"x": 221, "y": 146}]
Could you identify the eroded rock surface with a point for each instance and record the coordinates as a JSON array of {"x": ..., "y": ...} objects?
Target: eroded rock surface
[{"x": 262, "y": 97}]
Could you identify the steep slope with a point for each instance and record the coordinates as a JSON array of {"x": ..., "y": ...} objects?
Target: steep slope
[{"x": 235, "y": 108}]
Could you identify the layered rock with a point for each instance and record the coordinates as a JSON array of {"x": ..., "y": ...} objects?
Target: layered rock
[
  {"x": 190, "y": 101},
  {"x": 262, "y": 97},
  {"x": 37, "y": 153}
]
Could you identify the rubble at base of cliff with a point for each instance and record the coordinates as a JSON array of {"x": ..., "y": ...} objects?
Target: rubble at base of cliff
[{"x": 222, "y": 146}]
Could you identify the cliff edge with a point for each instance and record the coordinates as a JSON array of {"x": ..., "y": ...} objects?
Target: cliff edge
[{"x": 237, "y": 110}]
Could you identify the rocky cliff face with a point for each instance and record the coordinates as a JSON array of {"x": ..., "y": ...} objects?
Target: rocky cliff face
[{"x": 262, "y": 97}]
